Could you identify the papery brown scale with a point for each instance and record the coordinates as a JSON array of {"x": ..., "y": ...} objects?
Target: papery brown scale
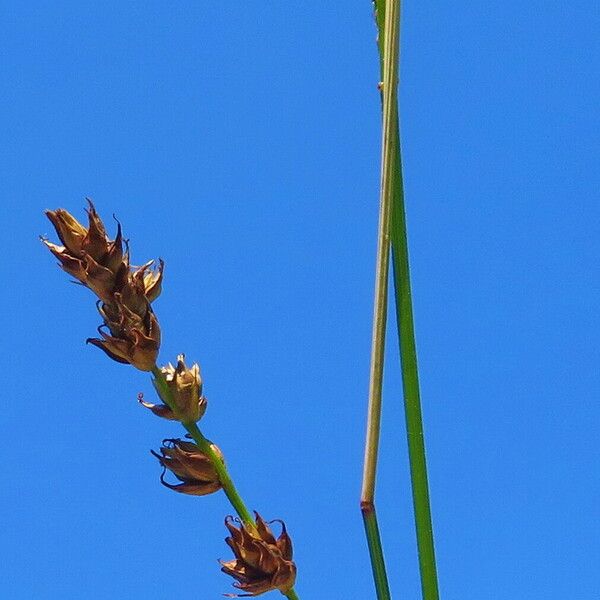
[
  {"x": 192, "y": 489},
  {"x": 153, "y": 281},
  {"x": 98, "y": 278},
  {"x": 252, "y": 553},
  {"x": 150, "y": 278},
  {"x": 266, "y": 560},
  {"x": 263, "y": 529},
  {"x": 233, "y": 568},
  {"x": 146, "y": 327},
  {"x": 119, "y": 315},
  {"x": 255, "y": 589},
  {"x": 160, "y": 410},
  {"x": 274, "y": 561},
  {"x": 112, "y": 347},
  {"x": 284, "y": 543},
  {"x": 69, "y": 230},
  {"x": 132, "y": 299},
  {"x": 285, "y": 573},
  {"x": 115, "y": 255},
  {"x": 236, "y": 537},
  {"x": 94, "y": 270},
  {"x": 153, "y": 328},
  {"x": 243, "y": 545},
  {"x": 96, "y": 241},
  {"x": 240, "y": 571},
  {"x": 70, "y": 264},
  {"x": 111, "y": 316},
  {"x": 234, "y": 547},
  {"x": 144, "y": 349}
]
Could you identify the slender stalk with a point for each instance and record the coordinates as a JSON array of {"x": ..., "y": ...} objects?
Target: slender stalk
[
  {"x": 375, "y": 550},
  {"x": 389, "y": 97},
  {"x": 226, "y": 481},
  {"x": 408, "y": 354},
  {"x": 205, "y": 447}
]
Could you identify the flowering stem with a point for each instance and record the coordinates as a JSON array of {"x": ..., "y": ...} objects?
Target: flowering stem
[
  {"x": 205, "y": 447},
  {"x": 227, "y": 483}
]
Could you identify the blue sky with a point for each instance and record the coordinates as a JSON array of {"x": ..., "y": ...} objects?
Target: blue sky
[{"x": 240, "y": 142}]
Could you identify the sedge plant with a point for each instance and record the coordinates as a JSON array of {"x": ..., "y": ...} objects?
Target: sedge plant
[{"x": 130, "y": 334}]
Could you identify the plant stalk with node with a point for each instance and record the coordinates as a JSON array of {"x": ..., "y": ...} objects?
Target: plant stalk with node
[
  {"x": 130, "y": 334},
  {"x": 393, "y": 233}
]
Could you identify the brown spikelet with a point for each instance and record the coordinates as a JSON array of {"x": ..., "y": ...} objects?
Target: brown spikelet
[
  {"x": 262, "y": 563},
  {"x": 190, "y": 466},
  {"x": 185, "y": 387},
  {"x": 130, "y": 332}
]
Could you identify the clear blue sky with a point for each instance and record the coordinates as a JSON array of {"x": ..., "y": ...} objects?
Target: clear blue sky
[{"x": 240, "y": 142}]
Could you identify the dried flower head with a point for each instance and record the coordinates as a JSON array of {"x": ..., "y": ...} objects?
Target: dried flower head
[
  {"x": 193, "y": 468},
  {"x": 102, "y": 265},
  {"x": 262, "y": 563},
  {"x": 96, "y": 261},
  {"x": 185, "y": 387},
  {"x": 87, "y": 253}
]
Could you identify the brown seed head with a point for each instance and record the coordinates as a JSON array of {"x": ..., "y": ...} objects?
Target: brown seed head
[
  {"x": 102, "y": 265},
  {"x": 96, "y": 261},
  {"x": 193, "y": 468},
  {"x": 262, "y": 563},
  {"x": 87, "y": 253},
  {"x": 185, "y": 386}
]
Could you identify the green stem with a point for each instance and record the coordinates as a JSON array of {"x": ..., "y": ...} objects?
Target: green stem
[
  {"x": 375, "y": 551},
  {"x": 228, "y": 486},
  {"x": 205, "y": 447},
  {"x": 408, "y": 356},
  {"x": 388, "y": 154}
]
